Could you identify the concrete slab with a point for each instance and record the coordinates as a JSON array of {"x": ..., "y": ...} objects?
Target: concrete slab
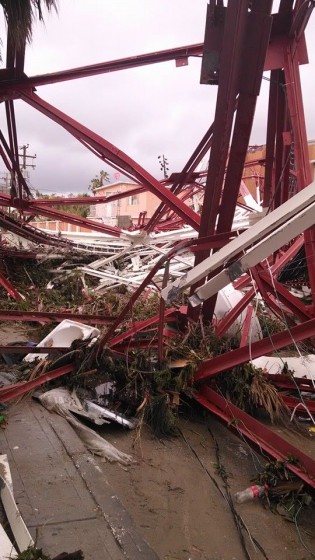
[{"x": 62, "y": 492}]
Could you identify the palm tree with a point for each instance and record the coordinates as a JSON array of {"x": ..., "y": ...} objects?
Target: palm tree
[
  {"x": 20, "y": 15},
  {"x": 99, "y": 180}
]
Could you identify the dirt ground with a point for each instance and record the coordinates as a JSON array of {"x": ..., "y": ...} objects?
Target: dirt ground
[
  {"x": 178, "y": 507},
  {"x": 171, "y": 492}
]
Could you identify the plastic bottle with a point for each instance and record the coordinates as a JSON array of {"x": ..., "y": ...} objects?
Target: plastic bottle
[{"x": 250, "y": 493}]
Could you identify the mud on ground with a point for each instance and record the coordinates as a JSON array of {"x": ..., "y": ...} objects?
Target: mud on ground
[{"x": 178, "y": 508}]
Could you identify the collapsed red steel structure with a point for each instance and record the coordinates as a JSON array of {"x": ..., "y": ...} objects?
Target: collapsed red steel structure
[{"x": 242, "y": 40}]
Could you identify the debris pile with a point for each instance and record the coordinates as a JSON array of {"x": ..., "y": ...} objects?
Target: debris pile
[{"x": 33, "y": 553}]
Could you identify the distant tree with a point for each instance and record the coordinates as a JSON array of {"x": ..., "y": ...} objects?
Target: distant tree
[
  {"x": 77, "y": 209},
  {"x": 99, "y": 180}
]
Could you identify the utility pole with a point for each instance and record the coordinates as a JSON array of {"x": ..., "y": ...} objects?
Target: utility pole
[
  {"x": 163, "y": 164},
  {"x": 24, "y": 157}
]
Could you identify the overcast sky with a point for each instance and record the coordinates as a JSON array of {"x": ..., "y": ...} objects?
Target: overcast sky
[{"x": 146, "y": 111}]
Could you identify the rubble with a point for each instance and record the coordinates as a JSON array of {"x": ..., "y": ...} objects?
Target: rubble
[{"x": 176, "y": 300}]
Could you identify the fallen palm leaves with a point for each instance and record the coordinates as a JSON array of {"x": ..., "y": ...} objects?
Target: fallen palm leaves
[
  {"x": 33, "y": 553},
  {"x": 286, "y": 493},
  {"x": 141, "y": 385},
  {"x": 248, "y": 388},
  {"x": 138, "y": 376}
]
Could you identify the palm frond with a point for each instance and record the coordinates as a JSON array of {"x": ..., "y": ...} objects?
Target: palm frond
[
  {"x": 20, "y": 16},
  {"x": 264, "y": 394}
]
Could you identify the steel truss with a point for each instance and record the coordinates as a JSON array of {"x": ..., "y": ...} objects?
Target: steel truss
[{"x": 242, "y": 40}]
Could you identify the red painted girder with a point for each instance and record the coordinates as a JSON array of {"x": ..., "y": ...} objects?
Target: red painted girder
[
  {"x": 104, "y": 67},
  {"x": 213, "y": 366},
  {"x": 53, "y": 317},
  {"x": 110, "y": 153},
  {"x": 162, "y": 316},
  {"x": 140, "y": 326},
  {"x": 234, "y": 35},
  {"x": 44, "y": 210},
  {"x": 8, "y": 253},
  {"x": 187, "y": 172},
  {"x": 87, "y": 199},
  {"x": 228, "y": 320},
  {"x": 56, "y": 200},
  {"x": 285, "y": 381},
  {"x": 309, "y": 241},
  {"x": 246, "y": 325},
  {"x": 9, "y": 393},
  {"x": 296, "y": 306},
  {"x": 301, "y": 15},
  {"x": 277, "y": 266},
  {"x": 128, "y": 307},
  {"x": 7, "y": 349},
  {"x": 9, "y": 288},
  {"x": 29, "y": 232},
  {"x": 257, "y": 433},
  {"x": 248, "y": 80},
  {"x": 14, "y": 163},
  {"x": 296, "y": 111},
  {"x": 257, "y": 38},
  {"x": 271, "y": 137},
  {"x": 274, "y": 60},
  {"x": 230, "y": 63},
  {"x": 215, "y": 241},
  {"x": 280, "y": 311},
  {"x": 14, "y": 150},
  {"x": 295, "y": 403},
  {"x": 281, "y": 127}
]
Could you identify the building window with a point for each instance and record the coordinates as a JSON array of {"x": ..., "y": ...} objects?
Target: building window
[{"x": 133, "y": 200}]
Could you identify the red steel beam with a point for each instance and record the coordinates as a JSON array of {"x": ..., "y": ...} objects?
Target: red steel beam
[
  {"x": 282, "y": 293},
  {"x": 14, "y": 163},
  {"x": 10, "y": 80},
  {"x": 282, "y": 152},
  {"x": 230, "y": 62},
  {"x": 254, "y": 50},
  {"x": 9, "y": 288},
  {"x": 247, "y": 325},
  {"x": 277, "y": 266},
  {"x": 234, "y": 34},
  {"x": 295, "y": 403},
  {"x": 139, "y": 326},
  {"x": 53, "y": 317},
  {"x": 257, "y": 39},
  {"x": 110, "y": 153},
  {"x": 285, "y": 381},
  {"x": 177, "y": 53},
  {"x": 296, "y": 111},
  {"x": 210, "y": 368},
  {"x": 271, "y": 300},
  {"x": 90, "y": 200},
  {"x": 29, "y": 232},
  {"x": 7, "y": 349},
  {"x": 45, "y": 210},
  {"x": 128, "y": 307},
  {"x": 259, "y": 435},
  {"x": 225, "y": 323},
  {"x": 187, "y": 172},
  {"x": 9, "y": 393}
]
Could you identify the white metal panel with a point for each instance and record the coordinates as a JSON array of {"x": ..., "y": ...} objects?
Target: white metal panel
[
  {"x": 293, "y": 227},
  {"x": 7, "y": 549},
  {"x": 21, "y": 534},
  {"x": 274, "y": 220}
]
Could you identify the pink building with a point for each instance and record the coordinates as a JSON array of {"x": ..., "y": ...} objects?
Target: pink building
[{"x": 125, "y": 211}]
